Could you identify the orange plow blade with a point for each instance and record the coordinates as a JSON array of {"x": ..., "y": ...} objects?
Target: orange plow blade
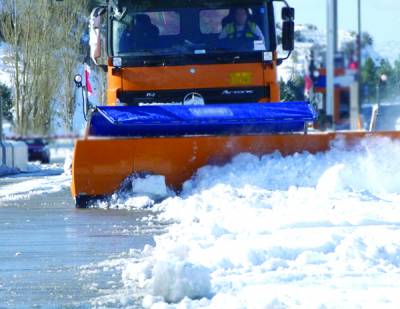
[{"x": 101, "y": 165}]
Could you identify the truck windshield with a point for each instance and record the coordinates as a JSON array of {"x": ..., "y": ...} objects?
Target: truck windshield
[{"x": 147, "y": 30}]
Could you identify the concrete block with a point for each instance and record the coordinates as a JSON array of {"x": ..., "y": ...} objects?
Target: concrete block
[{"x": 13, "y": 157}]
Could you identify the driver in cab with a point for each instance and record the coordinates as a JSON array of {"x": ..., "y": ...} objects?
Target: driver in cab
[{"x": 241, "y": 27}]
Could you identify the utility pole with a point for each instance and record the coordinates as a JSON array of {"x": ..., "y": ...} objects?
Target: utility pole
[
  {"x": 330, "y": 59},
  {"x": 356, "y": 87}
]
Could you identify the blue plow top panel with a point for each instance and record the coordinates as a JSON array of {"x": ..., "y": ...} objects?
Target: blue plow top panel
[{"x": 215, "y": 119}]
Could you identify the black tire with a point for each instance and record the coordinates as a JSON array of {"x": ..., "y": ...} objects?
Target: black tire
[
  {"x": 85, "y": 201},
  {"x": 82, "y": 201}
]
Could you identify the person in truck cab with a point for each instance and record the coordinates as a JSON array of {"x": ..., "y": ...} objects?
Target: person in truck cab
[
  {"x": 241, "y": 27},
  {"x": 141, "y": 34}
]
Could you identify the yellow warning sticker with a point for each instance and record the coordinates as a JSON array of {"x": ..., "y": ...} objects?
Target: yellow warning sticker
[{"x": 241, "y": 78}]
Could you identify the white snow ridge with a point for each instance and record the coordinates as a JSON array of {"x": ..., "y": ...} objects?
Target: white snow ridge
[{"x": 303, "y": 231}]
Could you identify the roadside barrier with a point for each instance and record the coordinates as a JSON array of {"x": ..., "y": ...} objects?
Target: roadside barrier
[{"x": 13, "y": 156}]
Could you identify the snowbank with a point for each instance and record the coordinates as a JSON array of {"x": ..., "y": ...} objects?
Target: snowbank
[
  {"x": 50, "y": 183},
  {"x": 38, "y": 179},
  {"x": 303, "y": 231}
]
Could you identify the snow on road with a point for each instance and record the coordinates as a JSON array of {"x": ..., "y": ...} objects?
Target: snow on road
[
  {"x": 41, "y": 180},
  {"x": 303, "y": 231}
]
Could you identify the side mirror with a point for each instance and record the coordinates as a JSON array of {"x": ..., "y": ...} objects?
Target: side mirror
[
  {"x": 288, "y": 14},
  {"x": 95, "y": 23}
]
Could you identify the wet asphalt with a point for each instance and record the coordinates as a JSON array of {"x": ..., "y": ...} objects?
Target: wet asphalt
[{"x": 50, "y": 252}]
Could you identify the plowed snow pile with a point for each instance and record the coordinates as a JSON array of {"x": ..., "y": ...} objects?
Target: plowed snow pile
[{"x": 304, "y": 231}]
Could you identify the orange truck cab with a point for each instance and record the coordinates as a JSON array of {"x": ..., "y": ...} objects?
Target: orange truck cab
[{"x": 178, "y": 51}]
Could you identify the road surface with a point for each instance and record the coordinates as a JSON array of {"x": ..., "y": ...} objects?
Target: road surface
[{"x": 52, "y": 255}]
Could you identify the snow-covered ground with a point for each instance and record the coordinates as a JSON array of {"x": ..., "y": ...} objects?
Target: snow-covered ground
[
  {"x": 40, "y": 180},
  {"x": 303, "y": 231}
]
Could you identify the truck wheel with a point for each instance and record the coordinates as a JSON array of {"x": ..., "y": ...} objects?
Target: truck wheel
[{"x": 82, "y": 201}]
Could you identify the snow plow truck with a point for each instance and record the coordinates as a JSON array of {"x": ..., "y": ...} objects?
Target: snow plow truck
[{"x": 190, "y": 83}]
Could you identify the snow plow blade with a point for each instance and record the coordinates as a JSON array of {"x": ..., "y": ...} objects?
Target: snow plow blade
[
  {"x": 101, "y": 165},
  {"x": 120, "y": 143}
]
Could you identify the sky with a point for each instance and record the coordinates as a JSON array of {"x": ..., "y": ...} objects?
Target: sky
[{"x": 381, "y": 18}]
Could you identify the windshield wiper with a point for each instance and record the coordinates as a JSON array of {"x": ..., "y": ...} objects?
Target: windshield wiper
[
  {"x": 147, "y": 51},
  {"x": 228, "y": 59},
  {"x": 154, "y": 63}
]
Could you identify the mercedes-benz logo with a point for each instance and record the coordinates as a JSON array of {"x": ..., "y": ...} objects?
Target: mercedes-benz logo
[{"x": 193, "y": 98}]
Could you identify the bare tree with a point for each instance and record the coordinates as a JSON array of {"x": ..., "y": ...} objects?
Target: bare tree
[
  {"x": 44, "y": 38},
  {"x": 11, "y": 34}
]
